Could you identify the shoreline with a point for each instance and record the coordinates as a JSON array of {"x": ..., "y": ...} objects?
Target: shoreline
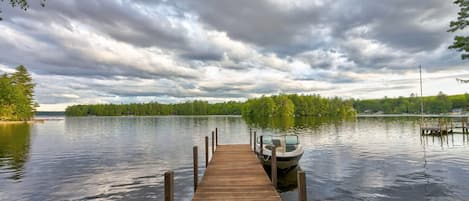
[
  {"x": 23, "y": 122},
  {"x": 413, "y": 115}
]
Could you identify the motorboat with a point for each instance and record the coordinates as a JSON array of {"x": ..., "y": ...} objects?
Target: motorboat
[{"x": 288, "y": 150}]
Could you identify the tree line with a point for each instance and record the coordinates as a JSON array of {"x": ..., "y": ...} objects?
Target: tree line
[
  {"x": 297, "y": 105},
  {"x": 16, "y": 96},
  {"x": 145, "y": 109},
  {"x": 272, "y": 106},
  {"x": 438, "y": 104},
  {"x": 283, "y": 105}
]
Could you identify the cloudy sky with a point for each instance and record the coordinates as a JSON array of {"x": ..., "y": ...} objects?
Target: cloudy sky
[{"x": 88, "y": 51}]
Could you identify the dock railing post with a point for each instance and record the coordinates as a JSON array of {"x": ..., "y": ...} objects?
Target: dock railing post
[
  {"x": 301, "y": 185},
  {"x": 261, "y": 148},
  {"x": 169, "y": 186},
  {"x": 273, "y": 160},
  {"x": 213, "y": 142},
  {"x": 206, "y": 151},
  {"x": 195, "y": 156},
  {"x": 216, "y": 137},
  {"x": 254, "y": 142}
]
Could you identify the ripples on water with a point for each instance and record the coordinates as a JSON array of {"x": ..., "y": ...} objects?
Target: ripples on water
[{"x": 124, "y": 158}]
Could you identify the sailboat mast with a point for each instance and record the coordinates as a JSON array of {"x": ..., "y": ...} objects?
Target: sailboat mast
[{"x": 421, "y": 94}]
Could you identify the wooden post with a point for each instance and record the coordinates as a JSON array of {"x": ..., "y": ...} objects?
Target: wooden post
[
  {"x": 447, "y": 128},
  {"x": 169, "y": 186},
  {"x": 452, "y": 138},
  {"x": 206, "y": 151},
  {"x": 254, "y": 142},
  {"x": 463, "y": 137},
  {"x": 213, "y": 143},
  {"x": 301, "y": 185},
  {"x": 216, "y": 137},
  {"x": 261, "y": 151},
  {"x": 195, "y": 157},
  {"x": 439, "y": 127},
  {"x": 273, "y": 164},
  {"x": 462, "y": 126},
  {"x": 465, "y": 125},
  {"x": 450, "y": 126},
  {"x": 250, "y": 137}
]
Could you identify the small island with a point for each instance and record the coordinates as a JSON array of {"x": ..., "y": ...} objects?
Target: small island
[{"x": 16, "y": 97}]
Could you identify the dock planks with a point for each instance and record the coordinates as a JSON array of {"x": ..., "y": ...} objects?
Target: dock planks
[{"x": 234, "y": 173}]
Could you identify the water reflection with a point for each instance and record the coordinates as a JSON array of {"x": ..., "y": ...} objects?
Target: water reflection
[
  {"x": 287, "y": 178},
  {"x": 285, "y": 123},
  {"x": 124, "y": 158},
  {"x": 282, "y": 123},
  {"x": 14, "y": 149},
  {"x": 452, "y": 140}
]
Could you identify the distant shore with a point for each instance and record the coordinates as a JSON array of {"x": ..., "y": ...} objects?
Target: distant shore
[
  {"x": 413, "y": 115},
  {"x": 23, "y": 122}
]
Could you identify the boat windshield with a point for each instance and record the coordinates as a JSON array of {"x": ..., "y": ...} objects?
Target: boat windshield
[
  {"x": 267, "y": 139},
  {"x": 278, "y": 140},
  {"x": 291, "y": 140}
]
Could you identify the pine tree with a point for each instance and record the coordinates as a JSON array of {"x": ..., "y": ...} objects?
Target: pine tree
[
  {"x": 6, "y": 97},
  {"x": 461, "y": 43},
  {"x": 20, "y": 95}
]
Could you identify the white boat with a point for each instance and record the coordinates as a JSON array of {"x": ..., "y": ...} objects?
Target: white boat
[{"x": 288, "y": 152}]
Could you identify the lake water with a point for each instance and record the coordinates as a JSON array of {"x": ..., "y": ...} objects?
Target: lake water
[{"x": 124, "y": 158}]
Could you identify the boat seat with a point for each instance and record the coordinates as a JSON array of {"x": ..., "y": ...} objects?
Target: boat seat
[
  {"x": 276, "y": 142},
  {"x": 290, "y": 148}
]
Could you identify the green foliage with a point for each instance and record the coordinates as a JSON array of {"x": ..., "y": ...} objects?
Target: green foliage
[
  {"x": 297, "y": 105},
  {"x": 154, "y": 108},
  {"x": 273, "y": 106},
  {"x": 16, "y": 95},
  {"x": 411, "y": 105},
  {"x": 14, "y": 148},
  {"x": 461, "y": 43},
  {"x": 23, "y": 4}
]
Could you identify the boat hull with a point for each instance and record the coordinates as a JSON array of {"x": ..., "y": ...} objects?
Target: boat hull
[{"x": 282, "y": 162}]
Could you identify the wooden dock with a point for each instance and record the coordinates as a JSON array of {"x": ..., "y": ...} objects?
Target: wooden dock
[
  {"x": 444, "y": 126},
  {"x": 435, "y": 131},
  {"x": 234, "y": 173}
]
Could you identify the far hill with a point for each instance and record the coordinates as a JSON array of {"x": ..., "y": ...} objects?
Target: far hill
[{"x": 438, "y": 104}]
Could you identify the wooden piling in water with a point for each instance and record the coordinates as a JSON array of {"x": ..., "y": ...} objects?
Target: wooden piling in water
[
  {"x": 301, "y": 185},
  {"x": 465, "y": 125},
  {"x": 250, "y": 137},
  {"x": 213, "y": 142},
  {"x": 169, "y": 186},
  {"x": 254, "y": 142},
  {"x": 446, "y": 129},
  {"x": 216, "y": 136},
  {"x": 206, "y": 151},
  {"x": 261, "y": 151},
  {"x": 462, "y": 125},
  {"x": 195, "y": 159},
  {"x": 439, "y": 128},
  {"x": 273, "y": 165}
]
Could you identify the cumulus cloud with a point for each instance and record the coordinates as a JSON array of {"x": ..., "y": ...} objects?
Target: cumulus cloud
[{"x": 171, "y": 51}]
